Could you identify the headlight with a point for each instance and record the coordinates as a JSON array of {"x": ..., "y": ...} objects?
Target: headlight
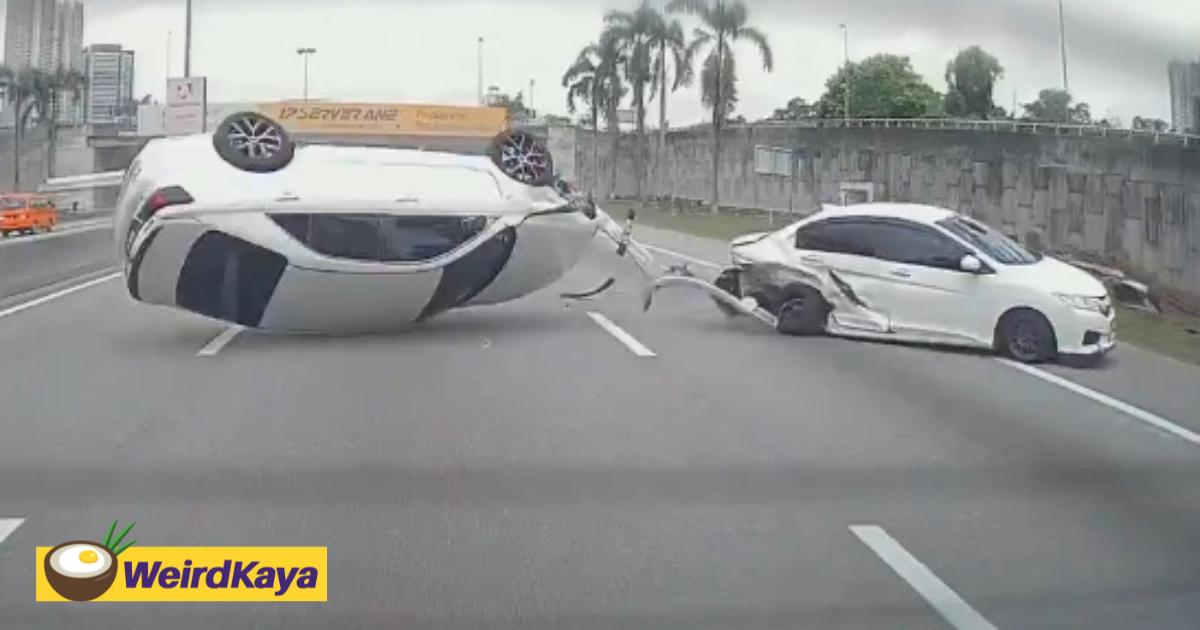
[{"x": 1082, "y": 302}]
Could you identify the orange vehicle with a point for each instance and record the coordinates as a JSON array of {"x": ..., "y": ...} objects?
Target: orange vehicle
[{"x": 27, "y": 213}]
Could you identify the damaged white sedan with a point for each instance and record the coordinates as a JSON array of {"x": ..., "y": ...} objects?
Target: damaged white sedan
[{"x": 915, "y": 273}]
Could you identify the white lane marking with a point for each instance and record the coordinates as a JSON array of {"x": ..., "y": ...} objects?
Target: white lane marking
[
  {"x": 8, "y": 526},
  {"x": 57, "y": 294},
  {"x": 681, "y": 256},
  {"x": 622, "y": 336},
  {"x": 944, "y": 600},
  {"x": 1136, "y": 412},
  {"x": 220, "y": 341}
]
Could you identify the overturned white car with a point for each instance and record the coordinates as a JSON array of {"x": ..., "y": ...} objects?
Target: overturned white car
[
  {"x": 917, "y": 274},
  {"x": 246, "y": 226}
]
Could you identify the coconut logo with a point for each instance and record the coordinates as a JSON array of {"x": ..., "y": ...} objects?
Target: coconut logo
[{"x": 82, "y": 570}]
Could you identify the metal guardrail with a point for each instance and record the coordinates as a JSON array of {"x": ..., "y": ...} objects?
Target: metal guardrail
[{"x": 995, "y": 126}]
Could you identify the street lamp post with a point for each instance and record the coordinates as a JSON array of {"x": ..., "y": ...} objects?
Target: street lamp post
[
  {"x": 479, "y": 72},
  {"x": 846, "y": 73},
  {"x": 1062, "y": 38},
  {"x": 187, "y": 41},
  {"x": 306, "y": 53}
]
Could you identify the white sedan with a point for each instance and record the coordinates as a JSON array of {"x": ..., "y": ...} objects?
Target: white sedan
[{"x": 921, "y": 274}]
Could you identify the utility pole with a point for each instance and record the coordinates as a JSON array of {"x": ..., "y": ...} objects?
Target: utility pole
[
  {"x": 168, "y": 54},
  {"x": 187, "y": 41},
  {"x": 531, "y": 83},
  {"x": 1062, "y": 38},
  {"x": 479, "y": 72},
  {"x": 306, "y": 53},
  {"x": 846, "y": 72}
]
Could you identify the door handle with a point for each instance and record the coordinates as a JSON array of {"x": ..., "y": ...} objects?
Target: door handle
[
  {"x": 901, "y": 272},
  {"x": 809, "y": 258}
]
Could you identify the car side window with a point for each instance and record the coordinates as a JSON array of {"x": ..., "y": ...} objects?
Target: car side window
[
  {"x": 835, "y": 237},
  {"x": 915, "y": 245}
]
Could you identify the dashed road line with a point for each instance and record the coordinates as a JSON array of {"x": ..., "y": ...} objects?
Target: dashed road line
[
  {"x": 1138, "y": 413},
  {"x": 13, "y": 310},
  {"x": 215, "y": 346},
  {"x": 956, "y": 611},
  {"x": 8, "y": 526},
  {"x": 616, "y": 331}
]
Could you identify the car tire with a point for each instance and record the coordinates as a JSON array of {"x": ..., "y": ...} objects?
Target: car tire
[
  {"x": 1025, "y": 335},
  {"x": 730, "y": 282},
  {"x": 251, "y": 142},
  {"x": 804, "y": 313},
  {"x": 523, "y": 157}
]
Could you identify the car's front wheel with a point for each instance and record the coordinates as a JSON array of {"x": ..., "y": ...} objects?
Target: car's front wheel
[
  {"x": 1026, "y": 335},
  {"x": 803, "y": 313}
]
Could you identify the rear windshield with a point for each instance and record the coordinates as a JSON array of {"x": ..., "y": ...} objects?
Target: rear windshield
[
  {"x": 12, "y": 203},
  {"x": 992, "y": 243}
]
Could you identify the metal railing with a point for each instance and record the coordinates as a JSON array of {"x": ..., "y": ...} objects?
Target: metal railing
[{"x": 994, "y": 126}]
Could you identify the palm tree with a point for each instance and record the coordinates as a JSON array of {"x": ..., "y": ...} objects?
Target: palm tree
[
  {"x": 61, "y": 82},
  {"x": 595, "y": 79},
  {"x": 633, "y": 31},
  {"x": 724, "y": 24},
  {"x": 668, "y": 38},
  {"x": 584, "y": 85},
  {"x": 22, "y": 90}
]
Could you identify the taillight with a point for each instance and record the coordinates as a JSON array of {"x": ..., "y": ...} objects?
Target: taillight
[{"x": 164, "y": 197}]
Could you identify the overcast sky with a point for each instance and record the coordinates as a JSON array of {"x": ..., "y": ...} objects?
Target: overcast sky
[{"x": 425, "y": 50}]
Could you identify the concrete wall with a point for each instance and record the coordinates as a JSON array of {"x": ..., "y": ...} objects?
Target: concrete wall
[
  {"x": 32, "y": 262},
  {"x": 1126, "y": 200}
]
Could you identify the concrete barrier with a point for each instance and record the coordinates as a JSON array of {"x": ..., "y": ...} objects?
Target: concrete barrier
[{"x": 27, "y": 263}]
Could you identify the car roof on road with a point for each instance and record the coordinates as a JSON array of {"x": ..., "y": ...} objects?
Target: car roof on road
[{"x": 910, "y": 211}]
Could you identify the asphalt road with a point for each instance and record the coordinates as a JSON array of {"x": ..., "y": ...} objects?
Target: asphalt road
[{"x": 524, "y": 466}]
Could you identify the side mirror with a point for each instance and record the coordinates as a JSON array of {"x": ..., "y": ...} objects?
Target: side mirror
[{"x": 970, "y": 264}]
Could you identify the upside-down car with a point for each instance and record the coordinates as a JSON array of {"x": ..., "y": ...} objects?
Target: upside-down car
[
  {"x": 921, "y": 274},
  {"x": 247, "y": 226}
]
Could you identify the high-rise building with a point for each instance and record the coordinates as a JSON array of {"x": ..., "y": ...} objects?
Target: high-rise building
[
  {"x": 29, "y": 32},
  {"x": 1185, "y": 96},
  {"x": 108, "y": 97},
  {"x": 69, "y": 36},
  {"x": 69, "y": 57}
]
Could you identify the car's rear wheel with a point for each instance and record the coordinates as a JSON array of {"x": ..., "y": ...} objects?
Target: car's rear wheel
[
  {"x": 803, "y": 313},
  {"x": 523, "y": 157},
  {"x": 252, "y": 142},
  {"x": 1026, "y": 335}
]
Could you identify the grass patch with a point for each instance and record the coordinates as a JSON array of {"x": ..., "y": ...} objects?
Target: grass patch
[
  {"x": 723, "y": 226},
  {"x": 1172, "y": 334}
]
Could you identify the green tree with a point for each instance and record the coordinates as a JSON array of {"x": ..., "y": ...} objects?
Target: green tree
[
  {"x": 1057, "y": 106},
  {"x": 28, "y": 92},
  {"x": 723, "y": 24},
  {"x": 595, "y": 79},
  {"x": 1150, "y": 124},
  {"x": 62, "y": 82},
  {"x": 633, "y": 31},
  {"x": 671, "y": 65},
  {"x": 882, "y": 86},
  {"x": 971, "y": 81},
  {"x": 796, "y": 109}
]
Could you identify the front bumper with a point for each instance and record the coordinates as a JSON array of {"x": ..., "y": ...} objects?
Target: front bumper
[{"x": 1086, "y": 333}]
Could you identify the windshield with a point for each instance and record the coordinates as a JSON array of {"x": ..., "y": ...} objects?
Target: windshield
[{"x": 995, "y": 245}]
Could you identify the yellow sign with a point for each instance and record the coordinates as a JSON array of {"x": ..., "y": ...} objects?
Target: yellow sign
[
  {"x": 186, "y": 574},
  {"x": 387, "y": 119}
]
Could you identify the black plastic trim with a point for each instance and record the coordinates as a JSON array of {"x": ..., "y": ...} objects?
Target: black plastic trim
[
  {"x": 468, "y": 276},
  {"x": 135, "y": 264}
]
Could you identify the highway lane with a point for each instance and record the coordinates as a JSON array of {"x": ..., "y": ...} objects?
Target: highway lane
[{"x": 519, "y": 467}]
